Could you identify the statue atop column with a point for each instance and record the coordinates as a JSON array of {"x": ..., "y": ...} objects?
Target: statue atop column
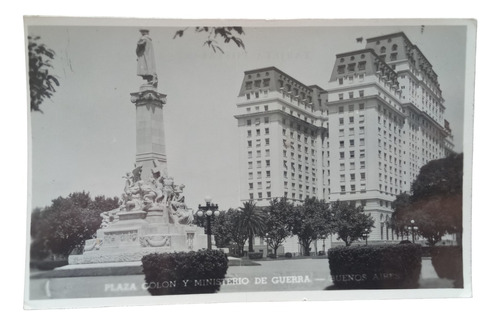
[{"x": 146, "y": 66}]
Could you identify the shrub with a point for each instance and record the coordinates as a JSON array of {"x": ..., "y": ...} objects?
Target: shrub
[
  {"x": 288, "y": 255},
  {"x": 448, "y": 263},
  {"x": 271, "y": 255},
  {"x": 47, "y": 265},
  {"x": 376, "y": 267},
  {"x": 321, "y": 253},
  {"x": 185, "y": 272},
  {"x": 255, "y": 255}
]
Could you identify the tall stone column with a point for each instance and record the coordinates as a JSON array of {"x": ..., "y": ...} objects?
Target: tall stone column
[{"x": 150, "y": 132}]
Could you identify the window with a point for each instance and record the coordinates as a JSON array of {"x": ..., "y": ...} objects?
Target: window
[
  {"x": 250, "y": 186},
  {"x": 351, "y": 67},
  {"x": 382, "y": 49},
  {"x": 351, "y": 119},
  {"x": 351, "y": 94},
  {"x": 266, "y": 82},
  {"x": 362, "y": 153},
  {"x": 351, "y": 154},
  {"x": 250, "y": 165},
  {"x": 361, "y": 93},
  {"x": 266, "y": 108},
  {"x": 353, "y": 188},
  {"x": 361, "y": 119},
  {"x": 268, "y": 173},
  {"x": 266, "y": 130},
  {"x": 341, "y": 155},
  {"x": 342, "y": 189},
  {"x": 341, "y": 132},
  {"x": 249, "y": 143},
  {"x": 341, "y": 96},
  {"x": 362, "y": 65},
  {"x": 267, "y": 141},
  {"x": 268, "y": 163},
  {"x": 249, "y": 154},
  {"x": 341, "y": 81},
  {"x": 351, "y": 143},
  {"x": 341, "y": 144},
  {"x": 363, "y": 176},
  {"x": 341, "y": 109},
  {"x": 341, "y": 69},
  {"x": 353, "y": 177},
  {"x": 362, "y": 142},
  {"x": 341, "y": 121},
  {"x": 352, "y": 166},
  {"x": 362, "y": 164},
  {"x": 342, "y": 166},
  {"x": 250, "y": 175},
  {"x": 342, "y": 178},
  {"x": 266, "y": 120},
  {"x": 249, "y": 133},
  {"x": 248, "y": 85},
  {"x": 249, "y": 122},
  {"x": 258, "y": 132}
]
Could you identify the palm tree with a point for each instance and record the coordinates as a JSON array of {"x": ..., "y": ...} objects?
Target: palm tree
[{"x": 251, "y": 221}]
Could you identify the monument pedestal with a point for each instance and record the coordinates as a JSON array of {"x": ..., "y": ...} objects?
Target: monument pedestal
[{"x": 137, "y": 233}]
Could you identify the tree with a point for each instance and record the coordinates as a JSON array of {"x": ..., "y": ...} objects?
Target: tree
[
  {"x": 251, "y": 221},
  {"x": 227, "y": 34},
  {"x": 41, "y": 81},
  {"x": 349, "y": 221},
  {"x": 278, "y": 212},
  {"x": 222, "y": 228},
  {"x": 436, "y": 200},
  {"x": 67, "y": 223},
  {"x": 310, "y": 221}
]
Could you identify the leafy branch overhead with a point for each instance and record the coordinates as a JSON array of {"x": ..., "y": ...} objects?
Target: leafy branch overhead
[
  {"x": 227, "y": 34},
  {"x": 40, "y": 80}
]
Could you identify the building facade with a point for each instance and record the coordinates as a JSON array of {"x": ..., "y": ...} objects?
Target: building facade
[
  {"x": 386, "y": 121},
  {"x": 284, "y": 146},
  {"x": 362, "y": 140}
]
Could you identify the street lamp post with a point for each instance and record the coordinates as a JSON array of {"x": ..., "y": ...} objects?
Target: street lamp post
[
  {"x": 365, "y": 236},
  {"x": 413, "y": 229},
  {"x": 209, "y": 210}
]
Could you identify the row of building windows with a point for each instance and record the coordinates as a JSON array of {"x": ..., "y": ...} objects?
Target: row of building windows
[
  {"x": 352, "y": 177},
  {"x": 352, "y": 165},
  {"x": 350, "y": 94}
]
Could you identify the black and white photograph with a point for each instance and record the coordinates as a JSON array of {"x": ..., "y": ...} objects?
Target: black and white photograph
[{"x": 181, "y": 161}]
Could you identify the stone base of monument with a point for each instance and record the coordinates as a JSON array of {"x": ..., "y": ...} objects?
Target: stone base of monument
[{"x": 137, "y": 233}]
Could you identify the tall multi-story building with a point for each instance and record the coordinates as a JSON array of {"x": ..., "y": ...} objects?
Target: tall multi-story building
[
  {"x": 362, "y": 140},
  {"x": 386, "y": 120},
  {"x": 283, "y": 127}
]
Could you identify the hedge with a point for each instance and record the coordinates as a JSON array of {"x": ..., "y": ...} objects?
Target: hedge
[
  {"x": 184, "y": 272},
  {"x": 255, "y": 255},
  {"x": 376, "y": 267},
  {"x": 448, "y": 263}
]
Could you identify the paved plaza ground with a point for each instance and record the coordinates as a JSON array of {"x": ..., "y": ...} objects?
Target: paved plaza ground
[{"x": 272, "y": 275}]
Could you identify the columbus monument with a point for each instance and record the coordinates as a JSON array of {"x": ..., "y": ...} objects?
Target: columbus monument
[{"x": 153, "y": 216}]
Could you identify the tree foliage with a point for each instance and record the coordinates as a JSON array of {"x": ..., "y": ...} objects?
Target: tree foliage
[
  {"x": 67, "y": 223},
  {"x": 278, "y": 212},
  {"x": 310, "y": 221},
  {"x": 227, "y": 34},
  {"x": 251, "y": 221},
  {"x": 349, "y": 222},
  {"x": 41, "y": 80},
  {"x": 435, "y": 204}
]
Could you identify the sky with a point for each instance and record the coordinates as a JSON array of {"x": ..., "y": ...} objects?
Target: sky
[{"x": 85, "y": 138}]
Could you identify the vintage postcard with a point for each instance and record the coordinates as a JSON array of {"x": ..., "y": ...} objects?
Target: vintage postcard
[{"x": 181, "y": 161}]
